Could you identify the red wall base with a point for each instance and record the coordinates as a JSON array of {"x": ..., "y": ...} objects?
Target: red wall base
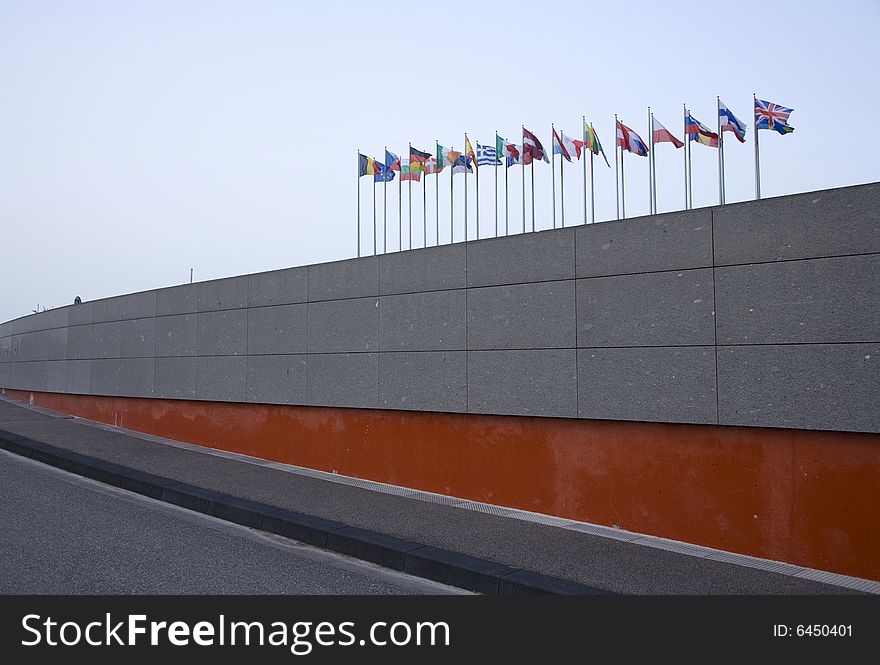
[{"x": 806, "y": 497}]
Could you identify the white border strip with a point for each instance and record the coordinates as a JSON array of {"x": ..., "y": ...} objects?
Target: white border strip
[{"x": 669, "y": 545}]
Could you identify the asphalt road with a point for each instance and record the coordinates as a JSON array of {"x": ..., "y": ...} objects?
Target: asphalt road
[{"x": 63, "y": 534}]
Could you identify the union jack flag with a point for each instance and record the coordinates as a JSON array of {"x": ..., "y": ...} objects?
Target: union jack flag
[{"x": 772, "y": 116}]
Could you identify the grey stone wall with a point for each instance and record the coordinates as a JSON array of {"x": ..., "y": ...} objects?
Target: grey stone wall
[{"x": 762, "y": 313}]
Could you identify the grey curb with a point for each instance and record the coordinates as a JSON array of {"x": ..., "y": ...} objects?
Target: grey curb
[{"x": 433, "y": 563}]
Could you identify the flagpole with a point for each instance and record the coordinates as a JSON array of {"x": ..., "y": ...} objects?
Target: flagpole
[
  {"x": 592, "y": 182},
  {"x": 584, "y": 165},
  {"x": 562, "y": 191},
  {"x": 400, "y": 211},
  {"x": 653, "y": 169},
  {"x": 622, "y": 186},
  {"x": 690, "y": 182},
  {"x": 553, "y": 170},
  {"x": 685, "y": 153},
  {"x": 437, "y": 187},
  {"x": 384, "y": 201},
  {"x": 424, "y": 206},
  {"x": 757, "y": 153},
  {"x": 650, "y": 167},
  {"x": 359, "y": 203},
  {"x": 374, "y": 214},
  {"x": 532, "y": 169},
  {"x": 477, "y": 195},
  {"x": 523, "y": 164},
  {"x": 409, "y": 195},
  {"x": 720, "y": 151},
  {"x": 616, "y": 168},
  {"x": 465, "y": 190},
  {"x": 451, "y": 204},
  {"x": 496, "y": 183}
]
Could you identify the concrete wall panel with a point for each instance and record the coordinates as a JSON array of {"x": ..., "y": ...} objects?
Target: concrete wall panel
[
  {"x": 278, "y": 287},
  {"x": 426, "y": 381},
  {"x": 343, "y": 379},
  {"x": 101, "y": 340},
  {"x": 353, "y": 278},
  {"x": 58, "y": 343},
  {"x": 222, "y": 333},
  {"x": 176, "y": 335},
  {"x": 56, "y": 376},
  {"x": 815, "y": 300},
  {"x": 79, "y": 315},
  {"x": 429, "y": 269},
  {"x": 138, "y": 305},
  {"x": 651, "y": 309},
  {"x": 341, "y": 326},
  {"x": 831, "y": 222},
  {"x": 532, "y": 383},
  {"x": 432, "y": 321},
  {"x": 810, "y": 386},
  {"x": 106, "y": 309},
  {"x": 528, "y": 257},
  {"x": 183, "y": 299},
  {"x": 138, "y": 338},
  {"x": 220, "y": 294},
  {"x": 176, "y": 378},
  {"x": 221, "y": 378},
  {"x": 672, "y": 241},
  {"x": 78, "y": 379},
  {"x": 277, "y": 330},
  {"x": 651, "y": 384},
  {"x": 131, "y": 377},
  {"x": 276, "y": 379},
  {"x": 523, "y": 316}
]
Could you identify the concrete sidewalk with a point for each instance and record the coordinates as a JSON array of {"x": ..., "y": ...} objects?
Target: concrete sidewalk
[{"x": 455, "y": 544}]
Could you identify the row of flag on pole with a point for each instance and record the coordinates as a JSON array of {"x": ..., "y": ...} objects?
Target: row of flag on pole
[{"x": 767, "y": 115}]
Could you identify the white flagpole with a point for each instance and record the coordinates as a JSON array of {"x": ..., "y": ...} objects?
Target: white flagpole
[
  {"x": 477, "y": 169},
  {"x": 437, "y": 188},
  {"x": 653, "y": 169},
  {"x": 720, "y": 151},
  {"x": 622, "y": 186},
  {"x": 506, "y": 199},
  {"x": 650, "y": 167},
  {"x": 757, "y": 154},
  {"x": 616, "y": 168},
  {"x": 359, "y": 203},
  {"x": 374, "y": 214},
  {"x": 532, "y": 169},
  {"x": 385, "y": 201},
  {"x": 451, "y": 204},
  {"x": 690, "y": 157},
  {"x": 592, "y": 183},
  {"x": 523, "y": 164},
  {"x": 562, "y": 191},
  {"x": 584, "y": 165},
  {"x": 409, "y": 195},
  {"x": 553, "y": 170},
  {"x": 465, "y": 191},
  {"x": 424, "y": 205},
  {"x": 496, "y": 183},
  {"x": 400, "y": 211},
  {"x": 685, "y": 154}
]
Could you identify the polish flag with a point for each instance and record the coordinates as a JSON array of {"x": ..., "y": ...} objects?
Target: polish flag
[{"x": 661, "y": 135}]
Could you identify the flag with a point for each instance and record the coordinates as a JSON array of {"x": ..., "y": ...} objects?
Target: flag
[
  {"x": 698, "y": 132},
  {"x": 563, "y": 145},
  {"x": 513, "y": 152},
  {"x": 663, "y": 135},
  {"x": 469, "y": 151},
  {"x": 431, "y": 165},
  {"x": 592, "y": 143},
  {"x": 417, "y": 159},
  {"x": 532, "y": 148},
  {"x": 367, "y": 166},
  {"x": 629, "y": 140},
  {"x": 406, "y": 172},
  {"x": 487, "y": 155},
  {"x": 462, "y": 164},
  {"x": 392, "y": 161},
  {"x": 730, "y": 123},
  {"x": 772, "y": 116},
  {"x": 382, "y": 174},
  {"x": 449, "y": 156}
]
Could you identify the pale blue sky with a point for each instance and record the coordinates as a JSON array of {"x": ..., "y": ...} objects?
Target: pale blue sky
[{"x": 139, "y": 139}]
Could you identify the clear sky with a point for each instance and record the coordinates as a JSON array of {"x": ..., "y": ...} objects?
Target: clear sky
[{"x": 140, "y": 139}]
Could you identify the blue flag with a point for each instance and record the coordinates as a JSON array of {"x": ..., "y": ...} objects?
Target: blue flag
[{"x": 383, "y": 174}]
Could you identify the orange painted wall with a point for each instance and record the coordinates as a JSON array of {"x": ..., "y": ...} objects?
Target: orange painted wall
[{"x": 806, "y": 497}]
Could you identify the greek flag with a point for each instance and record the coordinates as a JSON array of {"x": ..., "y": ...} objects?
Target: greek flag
[{"x": 486, "y": 156}]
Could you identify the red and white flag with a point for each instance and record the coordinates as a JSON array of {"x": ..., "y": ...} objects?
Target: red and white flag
[
  {"x": 565, "y": 146},
  {"x": 663, "y": 135},
  {"x": 532, "y": 148}
]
